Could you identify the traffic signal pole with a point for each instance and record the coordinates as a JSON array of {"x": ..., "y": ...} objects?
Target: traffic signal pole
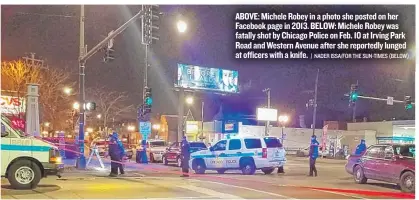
[
  {"x": 315, "y": 102},
  {"x": 354, "y": 107},
  {"x": 81, "y": 161}
]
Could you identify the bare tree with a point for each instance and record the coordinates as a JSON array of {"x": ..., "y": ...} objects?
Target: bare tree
[
  {"x": 14, "y": 77},
  {"x": 109, "y": 104},
  {"x": 54, "y": 104}
]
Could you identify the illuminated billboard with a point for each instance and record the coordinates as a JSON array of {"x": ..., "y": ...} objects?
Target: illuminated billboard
[
  {"x": 202, "y": 78},
  {"x": 12, "y": 105},
  {"x": 267, "y": 114}
]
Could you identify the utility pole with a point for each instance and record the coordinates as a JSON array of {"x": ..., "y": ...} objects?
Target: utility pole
[
  {"x": 354, "y": 108},
  {"x": 268, "y": 92},
  {"x": 81, "y": 162},
  {"x": 315, "y": 102},
  {"x": 33, "y": 60},
  {"x": 202, "y": 121}
]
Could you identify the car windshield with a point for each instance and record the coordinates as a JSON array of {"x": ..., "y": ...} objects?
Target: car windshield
[
  {"x": 158, "y": 144},
  {"x": 198, "y": 145},
  {"x": 7, "y": 121}
]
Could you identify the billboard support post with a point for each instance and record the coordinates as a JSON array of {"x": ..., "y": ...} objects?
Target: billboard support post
[
  {"x": 268, "y": 91},
  {"x": 180, "y": 115}
]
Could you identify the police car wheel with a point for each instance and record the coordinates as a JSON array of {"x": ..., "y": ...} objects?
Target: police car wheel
[
  {"x": 248, "y": 167},
  {"x": 24, "y": 174},
  {"x": 199, "y": 167},
  {"x": 221, "y": 171},
  {"x": 268, "y": 170}
]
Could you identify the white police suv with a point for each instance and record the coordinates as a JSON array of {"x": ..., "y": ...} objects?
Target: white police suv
[{"x": 247, "y": 154}]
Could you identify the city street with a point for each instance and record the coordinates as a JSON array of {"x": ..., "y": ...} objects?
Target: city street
[{"x": 159, "y": 181}]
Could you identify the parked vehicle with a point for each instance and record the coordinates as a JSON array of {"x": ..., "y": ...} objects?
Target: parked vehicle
[
  {"x": 155, "y": 150},
  {"x": 172, "y": 154},
  {"x": 392, "y": 163},
  {"x": 24, "y": 159},
  {"x": 247, "y": 154},
  {"x": 306, "y": 151}
]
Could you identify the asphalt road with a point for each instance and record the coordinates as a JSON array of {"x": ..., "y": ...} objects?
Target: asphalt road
[{"x": 163, "y": 182}]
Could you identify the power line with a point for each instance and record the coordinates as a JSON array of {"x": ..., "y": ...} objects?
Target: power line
[{"x": 47, "y": 15}]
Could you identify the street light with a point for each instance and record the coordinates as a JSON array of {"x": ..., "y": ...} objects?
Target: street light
[
  {"x": 156, "y": 126},
  {"x": 76, "y": 105},
  {"x": 90, "y": 130},
  {"x": 99, "y": 116},
  {"x": 189, "y": 100},
  {"x": 283, "y": 119},
  {"x": 46, "y": 124},
  {"x": 131, "y": 128},
  {"x": 67, "y": 90},
  {"x": 181, "y": 26}
]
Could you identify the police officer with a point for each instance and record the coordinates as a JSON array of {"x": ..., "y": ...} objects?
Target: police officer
[
  {"x": 185, "y": 155},
  {"x": 361, "y": 148},
  {"x": 116, "y": 152},
  {"x": 314, "y": 153}
]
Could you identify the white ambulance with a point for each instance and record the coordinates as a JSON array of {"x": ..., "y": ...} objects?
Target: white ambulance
[
  {"x": 247, "y": 154},
  {"x": 25, "y": 160}
]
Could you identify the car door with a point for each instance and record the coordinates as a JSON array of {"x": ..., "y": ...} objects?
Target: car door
[
  {"x": 387, "y": 166},
  {"x": 215, "y": 161},
  {"x": 5, "y": 147},
  {"x": 368, "y": 161},
  {"x": 233, "y": 153}
]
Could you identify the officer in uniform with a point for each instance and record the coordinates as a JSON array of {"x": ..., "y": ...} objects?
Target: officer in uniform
[
  {"x": 360, "y": 149},
  {"x": 314, "y": 153},
  {"x": 116, "y": 152},
  {"x": 185, "y": 155}
]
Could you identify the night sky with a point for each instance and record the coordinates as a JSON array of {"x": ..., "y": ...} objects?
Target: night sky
[{"x": 52, "y": 32}]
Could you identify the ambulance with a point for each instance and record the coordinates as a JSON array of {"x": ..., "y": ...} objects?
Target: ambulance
[
  {"x": 247, "y": 154},
  {"x": 24, "y": 159}
]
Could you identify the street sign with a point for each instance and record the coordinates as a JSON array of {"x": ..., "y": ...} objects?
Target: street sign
[
  {"x": 390, "y": 100},
  {"x": 145, "y": 128}
]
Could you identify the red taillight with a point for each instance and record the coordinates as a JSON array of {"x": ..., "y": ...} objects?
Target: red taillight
[{"x": 264, "y": 153}]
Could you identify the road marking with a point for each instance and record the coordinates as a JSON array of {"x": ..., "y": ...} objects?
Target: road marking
[
  {"x": 251, "y": 189},
  {"x": 342, "y": 194},
  {"x": 209, "y": 192}
]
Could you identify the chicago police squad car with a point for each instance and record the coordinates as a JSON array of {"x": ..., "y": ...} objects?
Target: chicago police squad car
[{"x": 247, "y": 154}]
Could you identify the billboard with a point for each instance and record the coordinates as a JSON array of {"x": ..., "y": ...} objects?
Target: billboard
[
  {"x": 202, "y": 78},
  {"x": 267, "y": 114},
  {"x": 230, "y": 126},
  {"x": 192, "y": 127},
  {"x": 12, "y": 105}
]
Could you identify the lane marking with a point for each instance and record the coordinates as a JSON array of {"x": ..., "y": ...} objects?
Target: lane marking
[
  {"x": 341, "y": 194},
  {"x": 209, "y": 192},
  {"x": 246, "y": 188}
]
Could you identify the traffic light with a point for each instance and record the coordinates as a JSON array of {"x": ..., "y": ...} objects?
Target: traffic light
[
  {"x": 408, "y": 102},
  {"x": 150, "y": 24},
  {"x": 148, "y": 97},
  {"x": 155, "y": 23},
  {"x": 90, "y": 106},
  {"x": 353, "y": 95},
  {"x": 109, "y": 55}
]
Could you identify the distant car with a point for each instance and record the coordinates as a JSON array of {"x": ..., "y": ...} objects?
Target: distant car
[
  {"x": 306, "y": 151},
  {"x": 155, "y": 150},
  {"x": 392, "y": 163},
  {"x": 172, "y": 154}
]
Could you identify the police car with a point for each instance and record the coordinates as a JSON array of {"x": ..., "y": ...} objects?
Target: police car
[{"x": 247, "y": 154}]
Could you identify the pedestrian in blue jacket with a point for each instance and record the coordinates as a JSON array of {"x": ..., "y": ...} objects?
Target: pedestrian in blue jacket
[
  {"x": 360, "y": 149},
  {"x": 314, "y": 153},
  {"x": 116, "y": 152}
]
